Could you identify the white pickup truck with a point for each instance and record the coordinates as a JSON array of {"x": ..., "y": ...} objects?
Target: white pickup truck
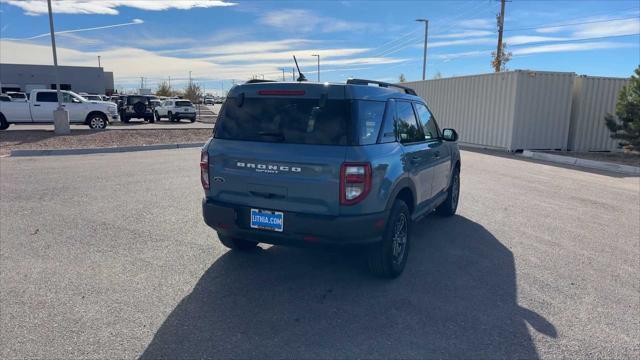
[{"x": 42, "y": 103}]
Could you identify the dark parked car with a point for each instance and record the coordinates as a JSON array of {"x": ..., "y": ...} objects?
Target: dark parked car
[
  {"x": 335, "y": 164},
  {"x": 136, "y": 106}
]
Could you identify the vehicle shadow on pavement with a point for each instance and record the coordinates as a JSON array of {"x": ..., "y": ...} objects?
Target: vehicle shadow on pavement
[{"x": 456, "y": 298}]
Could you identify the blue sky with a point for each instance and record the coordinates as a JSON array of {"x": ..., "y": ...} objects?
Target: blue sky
[{"x": 221, "y": 41}]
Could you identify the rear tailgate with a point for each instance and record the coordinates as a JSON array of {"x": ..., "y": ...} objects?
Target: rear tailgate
[
  {"x": 282, "y": 177},
  {"x": 279, "y": 146}
]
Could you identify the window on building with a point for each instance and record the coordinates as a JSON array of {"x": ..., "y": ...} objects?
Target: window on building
[{"x": 62, "y": 87}]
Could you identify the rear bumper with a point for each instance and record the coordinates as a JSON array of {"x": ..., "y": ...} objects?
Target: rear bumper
[
  {"x": 184, "y": 115},
  {"x": 299, "y": 229}
]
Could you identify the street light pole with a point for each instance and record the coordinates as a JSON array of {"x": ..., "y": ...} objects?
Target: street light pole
[
  {"x": 60, "y": 115},
  {"x": 99, "y": 61},
  {"x": 318, "y": 56},
  {"x": 424, "y": 59}
]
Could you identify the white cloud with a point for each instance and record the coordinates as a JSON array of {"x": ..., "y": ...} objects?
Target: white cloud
[
  {"x": 463, "y": 34},
  {"x": 128, "y": 64},
  {"x": 243, "y": 47},
  {"x": 600, "y": 27},
  {"x": 133, "y": 22},
  {"x": 452, "y": 56},
  {"x": 612, "y": 28},
  {"x": 553, "y": 48},
  {"x": 304, "y": 21},
  {"x": 586, "y": 46},
  {"x": 527, "y": 39},
  {"x": 287, "y": 55},
  {"x": 476, "y": 23},
  {"x": 471, "y": 41},
  {"x": 110, "y": 7}
]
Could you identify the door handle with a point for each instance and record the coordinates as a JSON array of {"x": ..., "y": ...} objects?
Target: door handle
[
  {"x": 436, "y": 154},
  {"x": 415, "y": 159},
  {"x": 36, "y": 104}
]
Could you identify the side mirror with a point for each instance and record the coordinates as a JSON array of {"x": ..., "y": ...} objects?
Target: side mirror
[{"x": 449, "y": 135}]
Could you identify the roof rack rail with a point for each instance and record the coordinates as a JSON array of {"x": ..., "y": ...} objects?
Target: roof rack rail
[
  {"x": 407, "y": 90},
  {"x": 254, "y": 81}
]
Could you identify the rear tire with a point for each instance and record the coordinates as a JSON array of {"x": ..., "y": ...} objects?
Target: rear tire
[
  {"x": 450, "y": 205},
  {"x": 237, "y": 243},
  {"x": 192, "y": 120},
  {"x": 388, "y": 258},
  {"x": 170, "y": 115},
  {"x": 3, "y": 123}
]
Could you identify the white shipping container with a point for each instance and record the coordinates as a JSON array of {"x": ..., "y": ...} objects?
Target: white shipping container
[
  {"x": 513, "y": 110},
  {"x": 593, "y": 98}
]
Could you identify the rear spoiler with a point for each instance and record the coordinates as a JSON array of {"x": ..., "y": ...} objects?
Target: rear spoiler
[
  {"x": 255, "y": 81},
  {"x": 407, "y": 90}
]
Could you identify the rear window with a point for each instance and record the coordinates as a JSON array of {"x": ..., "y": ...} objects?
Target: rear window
[
  {"x": 285, "y": 120},
  {"x": 183, "y": 103},
  {"x": 46, "y": 97},
  {"x": 134, "y": 99}
]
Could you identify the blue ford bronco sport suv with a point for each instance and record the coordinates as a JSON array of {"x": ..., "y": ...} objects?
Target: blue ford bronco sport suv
[{"x": 294, "y": 163}]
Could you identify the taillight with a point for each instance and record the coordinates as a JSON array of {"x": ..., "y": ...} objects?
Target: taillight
[
  {"x": 204, "y": 169},
  {"x": 355, "y": 182}
]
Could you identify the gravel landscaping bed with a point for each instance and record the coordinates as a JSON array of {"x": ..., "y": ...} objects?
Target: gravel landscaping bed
[{"x": 39, "y": 140}]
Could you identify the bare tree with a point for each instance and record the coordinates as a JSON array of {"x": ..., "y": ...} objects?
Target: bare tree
[
  {"x": 193, "y": 92},
  {"x": 402, "y": 78},
  {"x": 163, "y": 89}
]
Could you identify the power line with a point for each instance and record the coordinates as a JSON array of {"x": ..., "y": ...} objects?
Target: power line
[
  {"x": 403, "y": 39},
  {"x": 411, "y": 41},
  {"x": 570, "y": 24}
]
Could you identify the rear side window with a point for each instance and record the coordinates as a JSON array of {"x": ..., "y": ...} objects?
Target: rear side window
[
  {"x": 427, "y": 121},
  {"x": 369, "y": 115},
  {"x": 407, "y": 126},
  {"x": 47, "y": 97},
  {"x": 183, "y": 103},
  {"x": 286, "y": 120}
]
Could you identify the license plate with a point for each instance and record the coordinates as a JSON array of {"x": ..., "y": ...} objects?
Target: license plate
[
  {"x": 186, "y": 109},
  {"x": 267, "y": 220}
]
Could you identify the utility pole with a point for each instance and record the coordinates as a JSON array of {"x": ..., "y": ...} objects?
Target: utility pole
[
  {"x": 318, "y": 55},
  {"x": 141, "y": 83},
  {"x": 189, "y": 77},
  {"x": 424, "y": 57},
  {"x": 498, "y": 59},
  {"x": 169, "y": 81},
  {"x": 99, "y": 61},
  {"x": 293, "y": 74},
  {"x": 60, "y": 115},
  {"x": 282, "y": 74}
]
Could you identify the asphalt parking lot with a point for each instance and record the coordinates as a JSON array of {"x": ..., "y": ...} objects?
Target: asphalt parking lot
[{"x": 107, "y": 256}]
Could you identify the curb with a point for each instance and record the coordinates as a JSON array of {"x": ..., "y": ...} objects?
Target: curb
[
  {"x": 108, "y": 150},
  {"x": 583, "y": 163}
]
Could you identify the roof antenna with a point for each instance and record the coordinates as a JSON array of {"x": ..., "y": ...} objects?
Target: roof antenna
[{"x": 301, "y": 77}]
